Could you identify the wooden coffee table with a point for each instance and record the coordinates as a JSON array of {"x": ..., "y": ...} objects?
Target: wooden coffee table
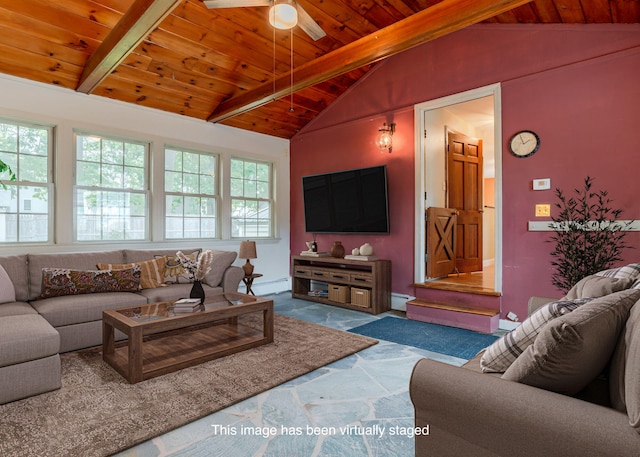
[{"x": 160, "y": 342}]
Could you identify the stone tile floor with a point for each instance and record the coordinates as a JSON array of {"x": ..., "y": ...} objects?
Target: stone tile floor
[{"x": 357, "y": 406}]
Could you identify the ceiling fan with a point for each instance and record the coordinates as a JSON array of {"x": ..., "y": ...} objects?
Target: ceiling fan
[{"x": 292, "y": 14}]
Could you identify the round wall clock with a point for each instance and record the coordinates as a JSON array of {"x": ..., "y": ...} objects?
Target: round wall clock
[{"x": 524, "y": 143}]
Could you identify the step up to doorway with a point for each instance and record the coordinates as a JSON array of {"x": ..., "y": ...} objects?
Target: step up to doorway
[{"x": 479, "y": 319}]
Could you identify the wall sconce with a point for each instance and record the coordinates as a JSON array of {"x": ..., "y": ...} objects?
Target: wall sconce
[{"x": 385, "y": 135}]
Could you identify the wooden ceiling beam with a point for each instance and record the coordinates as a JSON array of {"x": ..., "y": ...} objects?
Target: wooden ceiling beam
[
  {"x": 434, "y": 22},
  {"x": 129, "y": 32}
]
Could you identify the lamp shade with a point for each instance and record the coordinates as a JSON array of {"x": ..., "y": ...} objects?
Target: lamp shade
[{"x": 248, "y": 250}]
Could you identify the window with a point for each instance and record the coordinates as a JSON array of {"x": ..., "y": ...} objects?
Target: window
[
  {"x": 191, "y": 194},
  {"x": 251, "y": 199},
  {"x": 25, "y": 204},
  {"x": 111, "y": 189}
]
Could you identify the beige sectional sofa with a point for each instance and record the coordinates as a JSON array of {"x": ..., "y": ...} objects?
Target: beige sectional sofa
[
  {"x": 563, "y": 384},
  {"x": 35, "y": 330}
]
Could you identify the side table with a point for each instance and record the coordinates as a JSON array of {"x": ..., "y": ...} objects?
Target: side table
[{"x": 248, "y": 281}]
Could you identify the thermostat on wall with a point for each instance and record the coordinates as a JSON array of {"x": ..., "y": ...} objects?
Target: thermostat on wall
[{"x": 542, "y": 184}]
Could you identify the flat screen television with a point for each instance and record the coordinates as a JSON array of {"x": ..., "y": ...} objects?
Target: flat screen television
[{"x": 351, "y": 201}]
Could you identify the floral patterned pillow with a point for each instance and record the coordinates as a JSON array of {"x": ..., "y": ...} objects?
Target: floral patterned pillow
[
  {"x": 63, "y": 281},
  {"x": 175, "y": 273}
]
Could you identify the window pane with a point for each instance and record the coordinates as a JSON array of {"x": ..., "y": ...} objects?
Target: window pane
[
  {"x": 192, "y": 206},
  {"x": 250, "y": 189},
  {"x": 87, "y": 173},
  {"x": 191, "y": 177},
  {"x": 251, "y": 207},
  {"x": 208, "y": 207},
  {"x": 237, "y": 168},
  {"x": 137, "y": 204},
  {"x": 208, "y": 227},
  {"x": 237, "y": 187},
  {"x": 9, "y": 137},
  {"x": 173, "y": 160},
  {"x": 24, "y": 207},
  {"x": 88, "y": 149},
  {"x": 207, "y": 165},
  {"x": 115, "y": 206},
  {"x": 113, "y": 152},
  {"x": 112, "y": 176},
  {"x": 174, "y": 206},
  {"x": 207, "y": 185},
  {"x": 191, "y": 163},
  {"x": 134, "y": 178},
  {"x": 134, "y": 155},
  {"x": 34, "y": 141},
  {"x": 33, "y": 168},
  {"x": 34, "y": 228},
  {"x": 190, "y": 185},
  {"x": 11, "y": 160},
  {"x": 172, "y": 181},
  {"x": 174, "y": 227},
  {"x": 262, "y": 189},
  {"x": 250, "y": 170},
  {"x": 263, "y": 172}
]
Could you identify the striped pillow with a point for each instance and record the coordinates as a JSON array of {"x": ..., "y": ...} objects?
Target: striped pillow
[
  {"x": 152, "y": 271},
  {"x": 631, "y": 271},
  {"x": 501, "y": 354}
]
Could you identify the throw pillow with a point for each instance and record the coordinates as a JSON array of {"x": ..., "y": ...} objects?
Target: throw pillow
[
  {"x": 631, "y": 271},
  {"x": 174, "y": 272},
  {"x": 624, "y": 371},
  {"x": 573, "y": 349},
  {"x": 7, "y": 291},
  {"x": 152, "y": 271},
  {"x": 598, "y": 286},
  {"x": 503, "y": 352},
  {"x": 219, "y": 263},
  {"x": 63, "y": 281}
]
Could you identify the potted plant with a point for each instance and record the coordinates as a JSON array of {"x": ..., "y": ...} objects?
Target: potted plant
[
  {"x": 4, "y": 167},
  {"x": 588, "y": 235}
]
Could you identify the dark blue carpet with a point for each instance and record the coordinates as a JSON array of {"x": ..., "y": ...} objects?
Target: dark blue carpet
[{"x": 456, "y": 342}]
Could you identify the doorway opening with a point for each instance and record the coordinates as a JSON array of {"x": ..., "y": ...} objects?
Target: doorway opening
[{"x": 474, "y": 113}]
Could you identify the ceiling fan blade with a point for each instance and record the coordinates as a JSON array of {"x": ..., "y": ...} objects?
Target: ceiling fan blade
[
  {"x": 306, "y": 23},
  {"x": 235, "y": 3}
]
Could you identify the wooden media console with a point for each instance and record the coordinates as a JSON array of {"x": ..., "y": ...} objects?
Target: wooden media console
[{"x": 369, "y": 282}]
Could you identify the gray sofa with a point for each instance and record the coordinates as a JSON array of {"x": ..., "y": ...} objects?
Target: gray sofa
[
  {"x": 35, "y": 330},
  {"x": 585, "y": 400}
]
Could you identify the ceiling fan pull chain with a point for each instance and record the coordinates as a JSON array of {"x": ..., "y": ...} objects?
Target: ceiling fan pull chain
[
  {"x": 291, "y": 74},
  {"x": 274, "y": 63}
]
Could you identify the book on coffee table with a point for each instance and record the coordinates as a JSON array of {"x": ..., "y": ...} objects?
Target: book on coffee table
[{"x": 186, "y": 305}]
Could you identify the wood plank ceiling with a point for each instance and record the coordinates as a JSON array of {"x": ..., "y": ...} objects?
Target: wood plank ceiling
[{"x": 229, "y": 65}]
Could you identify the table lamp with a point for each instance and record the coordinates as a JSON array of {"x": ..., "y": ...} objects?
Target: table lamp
[{"x": 248, "y": 251}]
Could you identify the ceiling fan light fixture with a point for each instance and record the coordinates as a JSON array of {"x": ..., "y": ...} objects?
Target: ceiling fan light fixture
[{"x": 283, "y": 16}]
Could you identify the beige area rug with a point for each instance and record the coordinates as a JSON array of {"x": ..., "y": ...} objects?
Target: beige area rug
[{"x": 97, "y": 412}]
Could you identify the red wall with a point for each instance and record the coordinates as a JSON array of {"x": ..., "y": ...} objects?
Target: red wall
[{"x": 576, "y": 86}]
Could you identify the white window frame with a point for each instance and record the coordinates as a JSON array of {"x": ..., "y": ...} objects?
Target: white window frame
[
  {"x": 271, "y": 200},
  {"x": 115, "y": 190},
  {"x": 215, "y": 196},
  {"x": 19, "y": 183}
]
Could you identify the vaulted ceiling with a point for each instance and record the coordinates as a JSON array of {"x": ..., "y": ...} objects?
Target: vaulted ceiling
[{"x": 228, "y": 65}]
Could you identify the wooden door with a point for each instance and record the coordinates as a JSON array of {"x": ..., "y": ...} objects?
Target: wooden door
[
  {"x": 441, "y": 240},
  {"x": 464, "y": 193}
]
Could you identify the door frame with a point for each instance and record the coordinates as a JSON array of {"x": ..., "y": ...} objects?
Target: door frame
[{"x": 421, "y": 166}]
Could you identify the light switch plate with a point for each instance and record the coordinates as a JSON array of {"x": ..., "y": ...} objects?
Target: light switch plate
[{"x": 542, "y": 184}]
